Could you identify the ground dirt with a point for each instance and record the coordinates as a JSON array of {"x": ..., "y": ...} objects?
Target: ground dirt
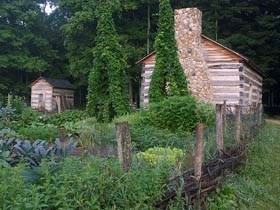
[{"x": 273, "y": 121}]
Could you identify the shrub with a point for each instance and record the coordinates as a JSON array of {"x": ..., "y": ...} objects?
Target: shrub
[
  {"x": 145, "y": 137},
  {"x": 6, "y": 117},
  {"x": 61, "y": 118},
  {"x": 27, "y": 117},
  {"x": 178, "y": 114},
  {"x": 205, "y": 113},
  {"x": 175, "y": 113},
  {"x": 33, "y": 132}
]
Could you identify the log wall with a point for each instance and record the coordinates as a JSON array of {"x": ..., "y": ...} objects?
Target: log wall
[
  {"x": 49, "y": 95},
  {"x": 224, "y": 69},
  {"x": 215, "y": 73},
  {"x": 44, "y": 88},
  {"x": 68, "y": 94},
  {"x": 252, "y": 86},
  {"x": 148, "y": 67}
]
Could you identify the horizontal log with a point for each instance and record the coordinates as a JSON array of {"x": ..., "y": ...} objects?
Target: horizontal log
[
  {"x": 226, "y": 90},
  {"x": 224, "y": 73},
  {"x": 223, "y": 65},
  {"x": 225, "y": 83},
  {"x": 226, "y": 97},
  {"x": 225, "y": 78}
]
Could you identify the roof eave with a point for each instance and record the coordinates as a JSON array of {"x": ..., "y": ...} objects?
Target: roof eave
[{"x": 147, "y": 56}]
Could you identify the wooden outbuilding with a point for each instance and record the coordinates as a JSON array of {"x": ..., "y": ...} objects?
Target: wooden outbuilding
[
  {"x": 52, "y": 95},
  {"x": 214, "y": 72}
]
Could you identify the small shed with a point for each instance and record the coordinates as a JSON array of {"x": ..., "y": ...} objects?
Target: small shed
[
  {"x": 52, "y": 95},
  {"x": 215, "y": 73}
]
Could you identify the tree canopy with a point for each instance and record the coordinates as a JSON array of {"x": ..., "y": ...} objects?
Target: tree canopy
[
  {"x": 168, "y": 78},
  {"x": 108, "y": 90},
  {"x": 60, "y": 44}
]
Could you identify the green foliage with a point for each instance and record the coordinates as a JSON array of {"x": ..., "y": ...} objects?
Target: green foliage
[
  {"x": 145, "y": 137},
  {"x": 13, "y": 151},
  {"x": 33, "y": 132},
  {"x": 61, "y": 118},
  {"x": 179, "y": 114},
  {"x": 107, "y": 91},
  {"x": 168, "y": 78},
  {"x": 156, "y": 155},
  {"x": 6, "y": 116},
  {"x": 28, "y": 45},
  {"x": 255, "y": 186},
  {"x": 96, "y": 135},
  {"x": 205, "y": 113},
  {"x": 226, "y": 199},
  {"x": 81, "y": 184}
]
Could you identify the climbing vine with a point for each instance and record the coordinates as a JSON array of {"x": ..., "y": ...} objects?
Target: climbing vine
[
  {"x": 108, "y": 89},
  {"x": 168, "y": 78}
]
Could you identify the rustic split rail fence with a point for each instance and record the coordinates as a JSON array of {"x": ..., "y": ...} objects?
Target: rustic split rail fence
[{"x": 240, "y": 123}]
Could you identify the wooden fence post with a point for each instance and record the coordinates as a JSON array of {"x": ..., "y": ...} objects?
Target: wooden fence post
[
  {"x": 260, "y": 114},
  {"x": 225, "y": 115},
  {"x": 238, "y": 123},
  {"x": 124, "y": 145},
  {"x": 198, "y": 151},
  {"x": 219, "y": 127}
]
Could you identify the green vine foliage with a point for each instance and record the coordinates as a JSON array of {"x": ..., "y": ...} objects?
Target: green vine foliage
[
  {"x": 168, "y": 78},
  {"x": 108, "y": 89}
]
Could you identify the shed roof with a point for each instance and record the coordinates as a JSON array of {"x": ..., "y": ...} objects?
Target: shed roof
[
  {"x": 56, "y": 83},
  {"x": 244, "y": 58}
]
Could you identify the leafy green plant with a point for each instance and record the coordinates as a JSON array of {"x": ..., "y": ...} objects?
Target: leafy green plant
[
  {"x": 12, "y": 151},
  {"x": 175, "y": 113},
  {"x": 6, "y": 117},
  {"x": 156, "y": 155},
  {"x": 17, "y": 103},
  {"x": 27, "y": 117},
  {"x": 7, "y": 133},
  {"x": 226, "y": 199},
  {"x": 61, "y": 118},
  {"x": 34, "y": 132},
  {"x": 6, "y": 151},
  {"x": 178, "y": 114},
  {"x": 76, "y": 183}
]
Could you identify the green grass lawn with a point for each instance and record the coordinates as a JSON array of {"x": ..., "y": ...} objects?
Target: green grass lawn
[{"x": 256, "y": 185}]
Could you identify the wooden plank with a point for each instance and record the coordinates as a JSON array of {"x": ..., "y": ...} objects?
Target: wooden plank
[
  {"x": 223, "y": 65},
  {"x": 198, "y": 151},
  {"x": 224, "y": 73},
  {"x": 219, "y": 128},
  {"x": 226, "y": 97},
  {"x": 226, "y": 89},
  {"x": 238, "y": 123},
  {"x": 225, "y": 83},
  {"x": 225, "y": 78}
]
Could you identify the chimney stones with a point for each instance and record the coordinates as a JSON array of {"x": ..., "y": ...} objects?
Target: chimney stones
[{"x": 188, "y": 27}]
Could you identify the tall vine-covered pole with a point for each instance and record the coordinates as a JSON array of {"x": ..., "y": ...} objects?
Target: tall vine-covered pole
[
  {"x": 108, "y": 83},
  {"x": 168, "y": 78}
]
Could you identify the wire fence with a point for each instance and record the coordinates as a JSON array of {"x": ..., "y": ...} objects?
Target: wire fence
[{"x": 235, "y": 125}]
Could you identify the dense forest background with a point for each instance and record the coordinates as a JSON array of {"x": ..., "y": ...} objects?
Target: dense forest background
[{"x": 60, "y": 44}]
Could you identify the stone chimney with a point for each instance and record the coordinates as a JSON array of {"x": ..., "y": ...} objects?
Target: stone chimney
[{"x": 188, "y": 27}]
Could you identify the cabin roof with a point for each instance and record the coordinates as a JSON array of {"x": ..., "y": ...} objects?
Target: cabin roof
[
  {"x": 56, "y": 83},
  {"x": 244, "y": 58}
]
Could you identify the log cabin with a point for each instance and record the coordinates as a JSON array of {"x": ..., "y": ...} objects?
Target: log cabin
[
  {"x": 52, "y": 95},
  {"x": 214, "y": 72}
]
